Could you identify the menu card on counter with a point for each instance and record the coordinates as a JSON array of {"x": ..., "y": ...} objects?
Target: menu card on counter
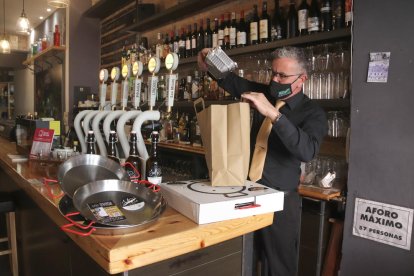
[{"x": 42, "y": 143}]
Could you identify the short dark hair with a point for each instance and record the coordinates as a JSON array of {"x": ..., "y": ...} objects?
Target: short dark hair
[{"x": 291, "y": 52}]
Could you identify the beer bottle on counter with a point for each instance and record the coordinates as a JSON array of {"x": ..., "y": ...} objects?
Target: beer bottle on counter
[
  {"x": 133, "y": 157},
  {"x": 90, "y": 143},
  {"x": 153, "y": 166},
  {"x": 112, "y": 152}
]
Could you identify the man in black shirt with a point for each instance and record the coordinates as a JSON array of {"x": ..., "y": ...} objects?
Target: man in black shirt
[{"x": 296, "y": 133}]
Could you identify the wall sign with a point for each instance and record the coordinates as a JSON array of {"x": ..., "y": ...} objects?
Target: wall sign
[
  {"x": 378, "y": 67},
  {"x": 381, "y": 222}
]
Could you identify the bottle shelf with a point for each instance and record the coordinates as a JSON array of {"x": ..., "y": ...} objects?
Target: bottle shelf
[
  {"x": 44, "y": 56},
  {"x": 104, "y": 8}
]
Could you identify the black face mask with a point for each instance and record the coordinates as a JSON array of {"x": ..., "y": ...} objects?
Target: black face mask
[{"x": 281, "y": 90}]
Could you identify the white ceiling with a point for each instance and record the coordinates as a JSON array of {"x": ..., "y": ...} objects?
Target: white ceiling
[{"x": 33, "y": 9}]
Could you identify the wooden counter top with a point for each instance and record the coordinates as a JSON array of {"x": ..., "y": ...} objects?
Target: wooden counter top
[{"x": 172, "y": 235}]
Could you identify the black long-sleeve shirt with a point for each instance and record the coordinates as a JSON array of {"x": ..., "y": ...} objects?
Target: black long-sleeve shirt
[{"x": 294, "y": 138}]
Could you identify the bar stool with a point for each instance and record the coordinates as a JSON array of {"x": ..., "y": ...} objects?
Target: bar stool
[{"x": 7, "y": 207}]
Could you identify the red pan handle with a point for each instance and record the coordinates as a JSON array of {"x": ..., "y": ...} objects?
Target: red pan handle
[
  {"x": 66, "y": 228},
  {"x": 149, "y": 185},
  {"x": 46, "y": 182},
  {"x": 81, "y": 226},
  {"x": 137, "y": 174}
]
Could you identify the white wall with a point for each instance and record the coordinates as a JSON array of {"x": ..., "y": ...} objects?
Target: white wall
[{"x": 23, "y": 91}]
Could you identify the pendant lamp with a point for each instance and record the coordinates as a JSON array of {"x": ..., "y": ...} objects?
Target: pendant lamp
[
  {"x": 4, "y": 43},
  {"x": 58, "y": 3},
  {"x": 23, "y": 24}
]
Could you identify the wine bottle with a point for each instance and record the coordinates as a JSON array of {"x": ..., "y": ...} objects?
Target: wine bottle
[
  {"x": 176, "y": 45},
  {"x": 159, "y": 46},
  {"x": 226, "y": 39},
  {"x": 112, "y": 152},
  {"x": 200, "y": 37},
  {"x": 215, "y": 41},
  {"x": 181, "y": 44},
  {"x": 153, "y": 165},
  {"x": 221, "y": 31},
  {"x": 339, "y": 14},
  {"x": 303, "y": 13},
  {"x": 264, "y": 25},
  {"x": 313, "y": 18},
  {"x": 254, "y": 27},
  {"x": 348, "y": 13},
  {"x": 194, "y": 41},
  {"x": 277, "y": 29},
  {"x": 208, "y": 35},
  {"x": 188, "y": 51},
  {"x": 133, "y": 157},
  {"x": 326, "y": 16},
  {"x": 241, "y": 31},
  {"x": 90, "y": 143},
  {"x": 233, "y": 30},
  {"x": 292, "y": 21}
]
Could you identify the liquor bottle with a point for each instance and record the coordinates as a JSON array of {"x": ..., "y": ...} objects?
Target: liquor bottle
[
  {"x": 195, "y": 132},
  {"x": 326, "y": 16},
  {"x": 241, "y": 31},
  {"x": 176, "y": 45},
  {"x": 264, "y": 25},
  {"x": 208, "y": 35},
  {"x": 215, "y": 42},
  {"x": 56, "y": 36},
  {"x": 221, "y": 31},
  {"x": 112, "y": 152},
  {"x": 181, "y": 44},
  {"x": 187, "y": 91},
  {"x": 292, "y": 21},
  {"x": 166, "y": 46},
  {"x": 76, "y": 148},
  {"x": 254, "y": 27},
  {"x": 303, "y": 13},
  {"x": 339, "y": 14},
  {"x": 188, "y": 51},
  {"x": 171, "y": 44},
  {"x": 153, "y": 165},
  {"x": 90, "y": 143},
  {"x": 348, "y": 13},
  {"x": 194, "y": 41},
  {"x": 123, "y": 56},
  {"x": 181, "y": 90},
  {"x": 226, "y": 39},
  {"x": 183, "y": 129},
  {"x": 313, "y": 18},
  {"x": 133, "y": 157},
  {"x": 161, "y": 91},
  {"x": 200, "y": 37},
  {"x": 277, "y": 29},
  {"x": 233, "y": 30},
  {"x": 159, "y": 46},
  {"x": 195, "y": 86}
]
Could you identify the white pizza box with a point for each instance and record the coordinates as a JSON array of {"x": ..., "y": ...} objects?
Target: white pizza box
[{"x": 202, "y": 203}]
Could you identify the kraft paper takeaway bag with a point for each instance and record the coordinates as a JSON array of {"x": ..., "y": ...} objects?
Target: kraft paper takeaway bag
[{"x": 225, "y": 131}]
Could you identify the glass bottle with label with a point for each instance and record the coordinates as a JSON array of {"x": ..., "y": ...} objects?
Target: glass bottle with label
[
  {"x": 153, "y": 165},
  {"x": 176, "y": 45},
  {"x": 194, "y": 41},
  {"x": 254, "y": 27},
  {"x": 208, "y": 35},
  {"x": 159, "y": 46},
  {"x": 181, "y": 44},
  {"x": 292, "y": 21},
  {"x": 188, "y": 51},
  {"x": 276, "y": 29},
  {"x": 339, "y": 13},
  {"x": 195, "y": 86},
  {"x": 187, "y": 91},
  {"x": 241, "y": 31},
  {"x": 221, "y": 31},
  {"x": 181, "y": 89},
  {"x": 133, "y": 157},
  {"x": 233, "y": 30},
  {"x": 162, "y": 92},
  {"x": 348, "y": 13},
  {"x": 226, "y": 42},
  {"x": 326, "y": 16},
  {"x": 200, "y": 37},
  {"x": 264, "y": 26},
  {"x": 215, "y": 33},
  {"x": 313, "y": 18},
  {"x": 76, "y": 148},
  {"x": 112, "y": 151},
  {"x": 90, "y": 143},
  {"x": 303, "y": 13}
]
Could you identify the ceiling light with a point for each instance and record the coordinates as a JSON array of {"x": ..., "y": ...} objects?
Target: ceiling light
[
  {"x": 48, "y": 9},
  {"x": 41, "y": 17},
  {"x": 4, "y": 43},
  {"x": 23, "y": 24},
  {"x": 58, "y": 3}
]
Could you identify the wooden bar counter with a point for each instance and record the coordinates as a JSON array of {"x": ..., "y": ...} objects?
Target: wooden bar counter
[{"x": 171, "y": 236}]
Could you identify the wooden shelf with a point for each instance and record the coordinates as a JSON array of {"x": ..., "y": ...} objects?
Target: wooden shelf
[
  {"x": 181, "y": 10},
  {"x": 180, "y": 147},
  {"x": 104, "y": 8},
  {"x": 54, "y": 51}
]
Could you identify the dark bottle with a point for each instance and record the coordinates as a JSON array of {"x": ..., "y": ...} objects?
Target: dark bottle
[
  {"x": 326, "y": 16},
  {"x": 292, "y": 21},
  {"x": 264, "y": 25},
  {"x": 314, "y": 18},
  {"x": 176, "y": 43},
  {"x": 181, "y": 44},
  {"x": 200, "y": 37},
  {"x": 90, "y": 143},
  {"x": 215, "y": 33},
  {"x": 76, "y": 149},
  {"x": 339, "y": 13},
  {"x": 188, "y": 51},
  {"x": 194, "y": 41},
  {"x": 153, "y": 165},
  {"x": 241, "y": 31},
  {"x": 133, "y": 157},
  {"x": 277, "y": 29},
  {"x": 233, "y": 30},
  {"x": 181, "y": 90},
  {"x": 254, "y": 27},
  {"x": 112, "y": 152},
  {"x": 226, "y": 38},
  {"x": 221, "y": 31},
  {"x": 303, "y": 13},
  {"x": 208, "y": 35},
  {"x": 348, "y": 13}
]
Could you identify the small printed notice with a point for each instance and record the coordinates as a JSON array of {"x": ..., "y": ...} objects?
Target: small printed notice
[
  {"x": 384, "y": 223},
  {"x": 106, "y": 212},
  {"x": 42, "y": 143},
  {"x": 378, "y": 67}
]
